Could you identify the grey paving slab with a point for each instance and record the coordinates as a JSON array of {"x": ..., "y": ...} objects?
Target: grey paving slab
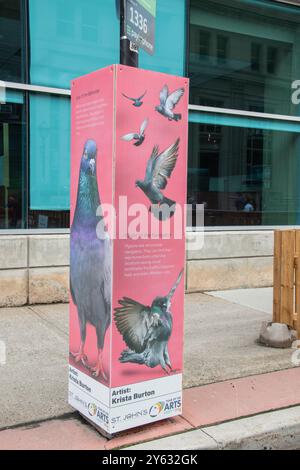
[
  {"x": 33, "y": 380},
  {"x": 220, "y": 342},
  {"x": 259, "y": 299}
]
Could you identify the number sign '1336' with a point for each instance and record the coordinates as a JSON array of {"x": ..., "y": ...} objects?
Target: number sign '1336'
[{"x": 140, "y": 23}]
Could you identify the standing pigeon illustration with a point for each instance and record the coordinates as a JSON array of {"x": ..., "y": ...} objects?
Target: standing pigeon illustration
[
  {"x": 138, "y": 137},
  {"x": 137, "y": 102},
  {"x": 146, "y": 330},
  {"x": 159, "y": 168},
  {"x": 168, "y": 103},
  {"x": 90, "y": 269}
]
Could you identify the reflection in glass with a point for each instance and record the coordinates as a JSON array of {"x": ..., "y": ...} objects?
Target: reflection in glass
[
  {"x": 245, "y": 171},
  {"x": 12, "y": 67},
  {"x": 12, "y": 161},
  {"x": 244, "y": 54}
]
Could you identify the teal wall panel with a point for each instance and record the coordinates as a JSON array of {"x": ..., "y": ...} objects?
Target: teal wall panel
[{"x": 49, "y": 152}]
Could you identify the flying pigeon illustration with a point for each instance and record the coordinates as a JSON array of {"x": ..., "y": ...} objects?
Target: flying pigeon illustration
[
  {"x": 168, "y": 103},
  {"x": 146, "y": 330},
  {"x": 90, "y": 269},
  {"x": 139, "y": 138},
  {"x": 137, "y": 102},
  {"x": 159, "y": 168}
]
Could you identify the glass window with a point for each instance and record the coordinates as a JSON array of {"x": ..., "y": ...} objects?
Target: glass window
[
  {"x": 170, "y": 43},
  {"x": 70, "y": 38},
  {"x": 12, "y": 160},
  {"x": 246, "y": 171},
  {"x": 12, "y": 67},
  {"x": 49, "y": 161},
  {"x": 244, "y": 54}
]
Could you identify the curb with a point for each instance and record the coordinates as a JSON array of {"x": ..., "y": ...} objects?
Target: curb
[{"x": 275, "y": 430}]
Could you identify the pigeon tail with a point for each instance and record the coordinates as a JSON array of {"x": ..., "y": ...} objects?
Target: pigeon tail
[
  {"x": 130, "y": 356},
  {"x": 165, "y": 210},
  {"x": 177, "y": 117}
]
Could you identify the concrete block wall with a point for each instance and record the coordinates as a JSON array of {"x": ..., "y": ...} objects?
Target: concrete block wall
[
  {"x": 34, "y": 269},
  {"x": 230, "y": 260}
]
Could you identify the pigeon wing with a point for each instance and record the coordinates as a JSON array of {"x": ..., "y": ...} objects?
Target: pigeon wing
[
  {"x": 144, "y": 126},
  {"x": 133, "y": 321},
  {"x": 128, "y": 97},
  {"x": 164, "y": 95},
  {"x": 174, "y": 98},
  {"x": 151, "y": 164},
  {"x": 141, "y": 97},
  {"x": 129, "y": 137},
  {"x": 164, "y": 165}
]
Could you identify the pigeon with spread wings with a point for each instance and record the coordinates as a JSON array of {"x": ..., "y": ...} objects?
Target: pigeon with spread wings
[
  {"x": 159, "y": 169},
  {"x": 168, "y": 101},
  {"x": 146, "y": 330},
  {"x": 138, "y": 137},
  {"x": 137, "y": 102}
]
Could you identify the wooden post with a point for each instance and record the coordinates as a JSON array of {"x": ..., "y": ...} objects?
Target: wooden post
[
  {"x": 297, "y": 283},
  {"x": 277, "y": 276},
  {"x": 287, "y": 277}
]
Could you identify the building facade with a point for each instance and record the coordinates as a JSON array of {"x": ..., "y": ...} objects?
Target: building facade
[{"x": 242, "y": 57}]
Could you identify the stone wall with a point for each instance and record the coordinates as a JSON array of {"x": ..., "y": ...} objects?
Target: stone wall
[
  {"x": 34, "y": 269},
  {"x": 231, "y": 260}
]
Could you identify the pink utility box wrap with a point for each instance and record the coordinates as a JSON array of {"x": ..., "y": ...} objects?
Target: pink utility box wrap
[{"x": 129, "y": 164}]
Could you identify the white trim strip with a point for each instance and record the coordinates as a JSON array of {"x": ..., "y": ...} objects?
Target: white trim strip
[
  {"x": 192, "y": 107},
  {"x": 36, "y": 88},
  {"x": 237, "y": 112}
]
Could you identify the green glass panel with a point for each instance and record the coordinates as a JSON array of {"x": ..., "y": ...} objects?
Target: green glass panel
[
  {"x": 12, "y": 161},
  {"x": 245, "y": 175},
  {"x": 244, "y": 55},
  {"x": 70, "y": 38},
  {"x": 170, "y": 44},
  {"x": 49, "y": 153}
]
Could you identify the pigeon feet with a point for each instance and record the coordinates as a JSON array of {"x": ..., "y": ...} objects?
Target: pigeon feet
[
  {"x": 98, "y": 370},
  {"x": 80, "y": 357}
]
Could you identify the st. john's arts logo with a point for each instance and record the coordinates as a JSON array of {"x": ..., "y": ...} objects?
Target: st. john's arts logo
[
  {"x": 92, "y": 409},
  {"x": 156, "y": 409}
]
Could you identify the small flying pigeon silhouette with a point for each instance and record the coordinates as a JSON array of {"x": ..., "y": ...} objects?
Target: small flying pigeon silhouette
[
  {"x": 137, "y": 102},
  {"x": 146, "y": 330},
  {"x": 168, "y": 103},
  {"x": 139, "y": 138},
  {"x": 159, "y": 168}
]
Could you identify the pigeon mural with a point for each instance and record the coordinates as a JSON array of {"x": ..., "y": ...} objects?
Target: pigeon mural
[
  {"x": 146, "y": 330},
  {"x": 168, "y": 102},
  {"x": 137, "y": 102},
  {"x": 90, "y": 269},
  {"x": 137, "y": 137},
  {"x": 159, "y": 169}
]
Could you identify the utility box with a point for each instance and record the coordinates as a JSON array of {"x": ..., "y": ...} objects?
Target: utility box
[{"x": 128, "y": 195}]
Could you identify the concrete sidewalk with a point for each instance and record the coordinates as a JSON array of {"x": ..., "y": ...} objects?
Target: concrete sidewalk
[
  {"x": 203, "y": 407},
  {"x": 219, "y": 345},
  {"x": 277, "y": 430}
]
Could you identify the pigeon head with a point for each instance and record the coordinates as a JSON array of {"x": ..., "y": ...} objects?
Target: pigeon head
[
  {"x": 139, "y": 184},
  {"x": 161, "y": 303},
  {"x": 89, "y": 157},
  {"x": 159, "y": 109}
]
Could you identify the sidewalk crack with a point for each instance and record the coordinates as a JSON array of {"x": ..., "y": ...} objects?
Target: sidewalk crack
[
  {"x": 211, "y": 437},
  {"x": 41, "y": 317}
]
